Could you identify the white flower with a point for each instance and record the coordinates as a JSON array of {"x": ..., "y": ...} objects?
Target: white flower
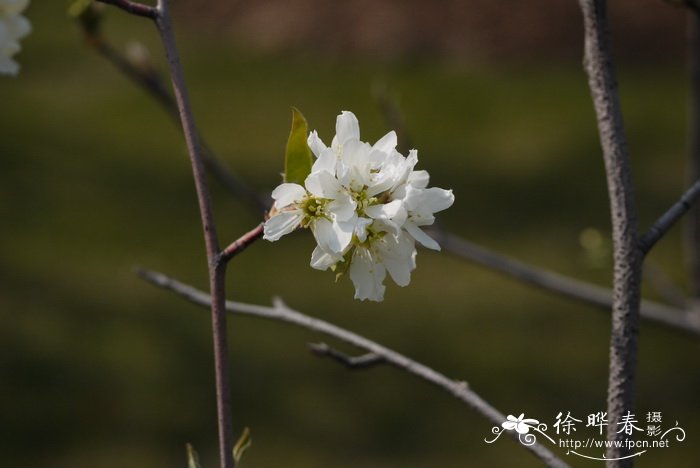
[
  {"x": 322, "y": 206},
  {"x": 365, "y": 205},
  {"x": 13, "y": 27}
]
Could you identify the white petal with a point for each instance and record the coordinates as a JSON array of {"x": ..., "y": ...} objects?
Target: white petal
[
  {"x": 361, "y": 226},
  {"x": 399, "y": 257},
  {"x": 367, "y": 276},
  {"x": 393, "y": 214},
  {"x": 419, "y": 179},
  {"x": 324, "y": 185},
  {"x": 325, "y": 236},
  {"x": 387, "y": 143},
  {"x": 316, "y": 144},
  {"x": 343, "y": 207},
  {"x": 346, "y": 128},
  {"x": 326, "y": 161},
  {"x": 287, "y": 194},
  {"x": 322, "y": 260},
  {"x": 8, "y": 66},
  {"x": 436, "y": 199},
  {"x": 421, "y": 236},
  {"x": 282, "y": 223},
  {"x": 343, "y": 231}
]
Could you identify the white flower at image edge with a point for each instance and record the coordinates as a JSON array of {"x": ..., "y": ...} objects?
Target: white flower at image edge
[
  {"x": 13, "y": 27},
  {"x": 365, "y": 205}
]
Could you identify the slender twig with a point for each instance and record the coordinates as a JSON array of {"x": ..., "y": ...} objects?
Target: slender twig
[
  {"x": 364, "y": 361},
  {"x": 587, "y": 293},
  {"x": 626, "y": 254},
  {"x": 217, "y": 269},
  {"x": 151, "y": 82},
  {"x": 240, "y": 244},
  {"x": 134, "y": 8},
  {"x": 669, "y": 218},
  {"x": 281, "y": 312}
]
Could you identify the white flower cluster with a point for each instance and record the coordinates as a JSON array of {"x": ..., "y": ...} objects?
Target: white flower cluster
[
  {"x": 13, "y": 27},
  {"x": 365, "y": 205}
]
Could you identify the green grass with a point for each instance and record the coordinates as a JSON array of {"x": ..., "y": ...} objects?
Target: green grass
[{"x": 99, "y": 369}]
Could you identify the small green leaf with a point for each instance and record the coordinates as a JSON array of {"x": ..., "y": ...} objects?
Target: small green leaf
[
  {"x": 298, "y": 160},
  {"x": 192, "y": 457},
  {"x": 243, "y": 443}
]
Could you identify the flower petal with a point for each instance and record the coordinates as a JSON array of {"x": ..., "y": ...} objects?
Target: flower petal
[
  {"x": 287, "y": 194},
  {"x": 316, "y": 144},
  {"x": 367, "y": 275},
  {"x": 322, "y": 260},
  {"x": 387, "y": 143},
  {"x": 346, "y": 128},
  {"x": 418, "y": 234},
  {"x": 282, "y": 223},
  {"x": 324, "y": 185}
]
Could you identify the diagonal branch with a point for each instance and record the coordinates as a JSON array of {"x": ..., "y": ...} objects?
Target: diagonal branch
[
  {"x": 281, "y": 312},
  {"x": 150, "y": 81},
  {"x": 669, "y": 218},
  {"x": 242, "y": 243},
  {"x": 584, "y": 292},
  {"x": 351, "y": 362},
  {"x": 134, "y": 8}
]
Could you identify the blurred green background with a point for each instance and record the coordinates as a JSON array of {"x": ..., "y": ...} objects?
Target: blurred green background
[{"x": 98, "y": 369}]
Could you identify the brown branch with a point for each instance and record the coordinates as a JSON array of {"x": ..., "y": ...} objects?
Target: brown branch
[
  {"x": 626, "y": 254},
  {"x": 364, "y": 361},
  {"x": 587, "y": 293},
  {"x": 217, "y": 270},
  {"x": 669, "y": 218},
  {"x": 134, "y": 8},
  {"x": 281, "y": 312},
  {"x": 241, "y": 243}
]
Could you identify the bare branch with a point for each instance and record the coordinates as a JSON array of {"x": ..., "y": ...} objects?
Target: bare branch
[
  {"x": 134, "y": 8},
  {"x": 626, "y": 254},
  {"x": 587, "y": 293},
  {"x": 217, "y": 269},
  {"x": 241, "y": 243},
  {"x": 281, "y": 312},
  {"x": 669, "y": 218},
  {"x": 364, "y": 361}
]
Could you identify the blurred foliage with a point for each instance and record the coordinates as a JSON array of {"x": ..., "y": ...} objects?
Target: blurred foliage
[{"x": 100, "y": 369}]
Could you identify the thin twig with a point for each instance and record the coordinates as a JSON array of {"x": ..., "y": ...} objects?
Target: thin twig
[
  {"x": 626, "y": 254},
  {"x": 669, "y": 218},
  {"x": 134, "y": 8},
  {"x": 364, "y": 361},
  {"x": 565, "y": 286},
  {"x": 281, "y": 312},
  {"x": 151, "y": 82},
  {"x": 241, "y": 243},
  {"x": 217, "y": 269}
]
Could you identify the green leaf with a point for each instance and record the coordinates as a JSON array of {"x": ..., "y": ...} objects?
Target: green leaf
[
  {"x": 297, "y": 160},
  {"x": 244, "y": 441},
  {"x": 192, "y": 457}
]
